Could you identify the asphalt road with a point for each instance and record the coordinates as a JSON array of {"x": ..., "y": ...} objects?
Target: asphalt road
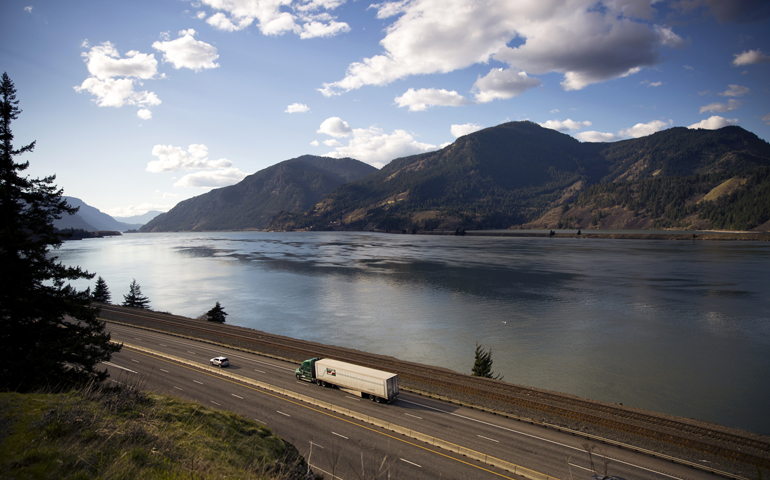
[{"x": 342, "y": 447}]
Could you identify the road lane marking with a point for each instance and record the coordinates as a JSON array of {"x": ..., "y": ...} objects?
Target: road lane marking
[
  {"x": 215, "y": 403},
  {"x": 138, "y": 339},
  {"x": 162, "y": 345},
  {"x": 413, "y": 416},
  {"x": 343, "y": 436},
  {"x": 136, "y": 361},
  {"x": 236, "y": 396},
  {"x": 196, "y": 381},
  {"x": 260, "y": 371},
  {"x": 178, "y": 388},
  {"x": 353, "y": 398},
  {"x": 316, "y": 445},
  {"x": 308, "y": 407},
  {"x": 411, "y": 463},
  {"x": 487, "y": 438},
  {"x": 578, "y": 466},
  {"x": 118, "y": 366},
  {"x": 164, "y": 371},
  {"x": 190, "y": 352},
  {"x": 283, "y": 413}
]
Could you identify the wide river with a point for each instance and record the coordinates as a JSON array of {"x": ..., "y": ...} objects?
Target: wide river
[{"x": 681, "y": 327}]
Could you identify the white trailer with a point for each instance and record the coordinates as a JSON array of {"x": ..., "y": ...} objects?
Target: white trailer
[{"x": 366, "y": 382}]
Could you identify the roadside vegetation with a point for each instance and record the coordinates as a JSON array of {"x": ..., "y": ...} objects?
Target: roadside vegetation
[{"x": 102, "y": 432}]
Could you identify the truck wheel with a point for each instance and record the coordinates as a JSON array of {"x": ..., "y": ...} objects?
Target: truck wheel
[{"x": 297, "y": 376}]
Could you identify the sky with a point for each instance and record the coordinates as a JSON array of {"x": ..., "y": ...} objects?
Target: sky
[{"x": 137, "y": 105}]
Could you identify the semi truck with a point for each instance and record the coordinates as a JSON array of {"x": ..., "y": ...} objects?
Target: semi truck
[{"x": 365, "y": 382}]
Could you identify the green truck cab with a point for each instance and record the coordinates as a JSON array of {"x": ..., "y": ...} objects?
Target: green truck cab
[{"x": 306, "y": 371}]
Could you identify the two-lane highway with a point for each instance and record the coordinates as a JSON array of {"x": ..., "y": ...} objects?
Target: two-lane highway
[{"x": 339, "y": 445}]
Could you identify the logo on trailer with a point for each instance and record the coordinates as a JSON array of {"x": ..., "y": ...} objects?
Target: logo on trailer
[{"x": 331, "y": 371}]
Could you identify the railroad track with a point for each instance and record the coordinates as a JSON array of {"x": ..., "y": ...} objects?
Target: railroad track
[{"x": 580, "y": 410}]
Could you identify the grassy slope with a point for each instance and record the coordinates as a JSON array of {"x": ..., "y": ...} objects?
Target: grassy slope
[{"x": 99, "y": 433}]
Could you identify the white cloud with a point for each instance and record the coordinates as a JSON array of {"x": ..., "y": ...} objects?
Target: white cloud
[
  {"x": 594, "y": 136},
  {"x": 186, "y": 52},
  {"x": 28, "y": 9},
  {"x": 336, "y": 127},
  {"x": 766, "y": 119},
  {"x": 144, "y": 114},
  {"x": 735, "y": 91},
  {"x": 424, "y": 98},
  {"x": 503, "y": 84},
  {"x": 654, "y": 84},
  {"x": 211, "y": 178},
  {"x": 585, "y": 43},
  {"x": 172, "y": 159},
  {"x": 331, "y": 142},
  {"x": 104, "y": 64},
  {"x": 297, "y": 108},
  {"x": 750, "y": 57},
  {"x": 644, "y": 129},
  {"x": 713, "y": 123},
  {"x": 731, "y": 105},
  {"x": 565, "y": 125},
  {"x": 459, "y": 130},
  {"x": 200, "y": 15},
  {"x": 314, "y": 143},
  {"x": 555, "y": 110},
  {"x": 141, "y": 209},
  {"x": 276, "y": 17},
  {"x": 375, "y": 147}
]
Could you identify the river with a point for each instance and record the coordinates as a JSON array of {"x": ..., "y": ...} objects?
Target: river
[{"x": 681, "y": 327}]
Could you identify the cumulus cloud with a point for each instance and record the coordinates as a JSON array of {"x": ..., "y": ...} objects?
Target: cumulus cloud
[
  {"x": 464, "y": 129},
  {"x": 574, "y": 38},
  {"x": 750, "y": 57},
  {"x": 424, "y": 98},
  {"x": 28, "y": 9},
  {"x": 713, "y": 123},
  {"x": 212, "y": 178},
  {"x": 731, "y": 105},
  {"x": 644, "y": 129},
  {"x": 144, "y": 114},
  {"x": 186, "y": 52},
  {"x": 371, "y": 145},
  {"x": 172, "y": 159},
  {"x": 335, "y": 127},
  {"x": 314, "y": 143},
  {"x": 104, "y": 63},
  {"x": 735, "y": 91},
  {"x": 565, "y": 125},
  {"x": 297, "y": 108},
  {"x": 332, "y": 142},
  {"x": 503, "y": 84},
  {"x": 306, "y": 18},
  {"x": 594, "y": 136}
]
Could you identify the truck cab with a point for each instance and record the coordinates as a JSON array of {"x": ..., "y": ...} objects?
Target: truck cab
[{"x": 306, "y": 371}]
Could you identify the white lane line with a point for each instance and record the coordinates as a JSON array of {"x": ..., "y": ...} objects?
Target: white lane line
[
  {"x": 260, "y": 371},
  {"x": 343, "y": 436},
  {"x": 138, "y": 339},
  {"x": 162, "y": 345},
  {"x": 164, "y": 371},
  {"x": 411, "y": 463},
  {"x": 302, "y": 383},
  {"x": 283, "y": 413},
  {"x": 582, "y": 450},
  {"x": 190, "y": 352},
  {"x": 259, "y": 421},
  {"x": 353, "y": 398},
  {"x": 215, "y": 403},
  {"x": 332, "y": 476},
  {"x": 316, "y": 445},
  {"x": 236, "y": 396},
  {"x": 118, "y": 366},
  {"x": 578, "y": 466},
  {"x": 487, "y": 438},
  {"x": 135, "y": 361},
  {"x": 199, "y": 383},
  {"x": 413, "y": 416},
  {"x": 178, "y": 388}
]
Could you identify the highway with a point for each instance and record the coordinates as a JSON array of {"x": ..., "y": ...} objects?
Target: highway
[{"x": 340, "y": 446}]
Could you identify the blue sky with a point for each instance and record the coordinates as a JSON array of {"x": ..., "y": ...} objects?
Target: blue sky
[{"x": 138, "y": 105}]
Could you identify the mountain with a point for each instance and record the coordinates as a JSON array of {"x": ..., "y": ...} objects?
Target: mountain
[
  {"x": 90, "y": 219},
  {"x": 519, "y": 173},
  {"x": 139, "y": 219},
  {"x": 292, "y": 185}
]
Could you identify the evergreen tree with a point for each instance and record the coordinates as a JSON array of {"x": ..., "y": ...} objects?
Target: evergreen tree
[
  {"x": 216, "y": 314},
  {"x": 101, "y": 292},
  {"x": 49, "y": 334},
  {"x": 135, "y": 298},
  {"x": 482, "y": 366}
]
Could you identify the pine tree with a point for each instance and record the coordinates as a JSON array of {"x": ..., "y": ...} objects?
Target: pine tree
[
  {"x": 49, "y": 333},
  {"x": 101, "y": 292},
  {"x": 482, "y": 366},
  {"x": 135, "y": 298},
  {"x": 216, "y": 314}
]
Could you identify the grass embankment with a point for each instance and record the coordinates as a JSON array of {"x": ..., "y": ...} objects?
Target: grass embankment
[{"x": 100, "y": 433}]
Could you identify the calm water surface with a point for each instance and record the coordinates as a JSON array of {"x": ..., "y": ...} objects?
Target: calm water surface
[{"x": 673, "y": 326}]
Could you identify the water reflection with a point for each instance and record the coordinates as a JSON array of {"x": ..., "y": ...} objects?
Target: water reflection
[{"x": 680, "y": 327}]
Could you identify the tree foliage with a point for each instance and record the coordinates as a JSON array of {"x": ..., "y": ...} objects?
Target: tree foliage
[
  {"x": 134, "y": 298},
  {"x": 101, "y": 292},
  {"x": 49, "y": 334},
  {"x": 482, "y": 366},
  {"x": 216, "y": 314}
]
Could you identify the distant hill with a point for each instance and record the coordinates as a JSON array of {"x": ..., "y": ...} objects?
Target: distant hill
[
  {"x": 139, "y": 219},
  {"x": 292, "y": 185},
  {"x": 520, "y": 173},
  {"x": 90, "y": 219}
]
